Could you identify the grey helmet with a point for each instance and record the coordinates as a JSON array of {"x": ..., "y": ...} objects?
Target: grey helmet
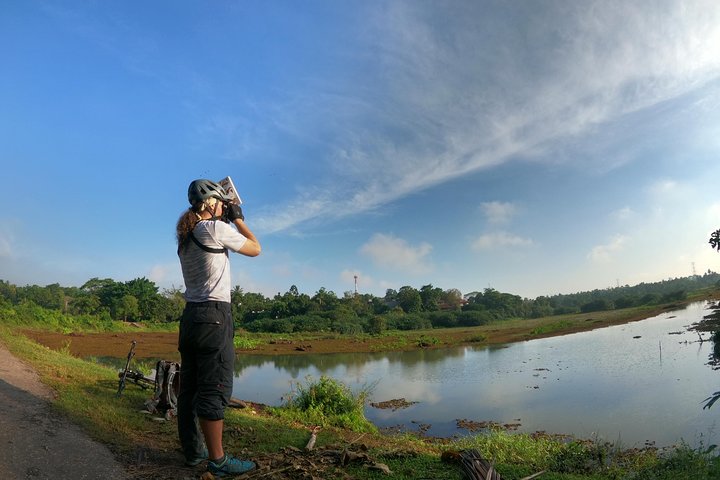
[{"x": 200, "y": 190}]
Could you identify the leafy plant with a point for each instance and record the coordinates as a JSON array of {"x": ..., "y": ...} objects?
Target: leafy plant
[
  {"x": 425, "y": 341},
  {"x": 245, "y": 343},
  {"x": 328, "y": 402},
  {"x": 476, "y": 338}
]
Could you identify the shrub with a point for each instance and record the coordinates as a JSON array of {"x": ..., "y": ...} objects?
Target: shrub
[
  {"x": 425, "y": 341},
  {"x": 272, "y": 325},
  {"x": 473, "y": 318},
  {"x": 377, "y": 325},
  {"x": 245, "y": 343},
  {"x": 409, "y": 321},
  {"x": 348, "y": 326},
  {"x": 329, "y": 402},
  {"x": 310, "y": 323},
  {"x": 443, "y": 319}
]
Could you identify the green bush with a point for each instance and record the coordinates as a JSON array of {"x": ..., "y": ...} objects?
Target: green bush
[
  {"x": 328, "y": 402},
  {"x": 443, "y": 319},
  {"x": 310, "y": 323},
  {"x": 272, "y": 325},
  {"x": 407, "y": 321},
  {"x": 348, "y": 326},
  {"x": 242, "y": 342},
  {"x": 376, "y": 325},
  {"x": 473, "y": 318}
]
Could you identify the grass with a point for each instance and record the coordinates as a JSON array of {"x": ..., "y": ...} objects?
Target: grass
[
  {"x": 86, "y": 393},
  {"x": 551, "y": 328},
  {"x": 245, "y": 342},
  {"x": 327, "y": 402}
]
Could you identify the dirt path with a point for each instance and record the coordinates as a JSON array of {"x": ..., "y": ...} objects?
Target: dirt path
[{"x": 38, "y": 443}]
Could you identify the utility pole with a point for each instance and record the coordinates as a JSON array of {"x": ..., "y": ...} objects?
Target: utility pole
[{"x": 356, "y": 290}]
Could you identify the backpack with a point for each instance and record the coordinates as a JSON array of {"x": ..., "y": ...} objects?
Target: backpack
[{"x": 167, "y": 387}]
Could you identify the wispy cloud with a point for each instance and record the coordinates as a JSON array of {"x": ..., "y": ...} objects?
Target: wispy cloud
[
  {"x": 445, "y": 105},
  {"x": 397, "y": 254},
  {"x": 498, "y": 212},
  {"x": 605, "y": 253},
  {"x": 491, "y": 241},
  {"x": 622, "y": 214}
]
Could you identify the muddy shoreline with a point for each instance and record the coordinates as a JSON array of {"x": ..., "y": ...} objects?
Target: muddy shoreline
[{"x": 155, "y": 345}]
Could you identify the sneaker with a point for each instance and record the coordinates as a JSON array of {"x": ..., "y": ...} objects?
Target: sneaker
[
  {"x": 195, "y": 461},
  {"x": 230, "y": 465}
]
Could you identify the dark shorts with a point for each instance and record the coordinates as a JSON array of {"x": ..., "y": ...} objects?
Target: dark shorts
[{"x": 207, "y": 357}]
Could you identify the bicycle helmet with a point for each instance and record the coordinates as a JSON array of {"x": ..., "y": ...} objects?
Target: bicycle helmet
[{"x": 200, "y": 190}]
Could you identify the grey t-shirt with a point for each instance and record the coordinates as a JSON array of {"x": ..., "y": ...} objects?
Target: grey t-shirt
[{"x": 207, "y": 275}]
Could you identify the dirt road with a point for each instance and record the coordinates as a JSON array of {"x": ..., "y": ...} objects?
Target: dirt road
[{"x": 36, "y": 442}]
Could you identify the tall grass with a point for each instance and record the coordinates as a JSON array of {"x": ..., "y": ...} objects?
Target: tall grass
[
  {"x": 328, "y": 402},
  {"x": 30, "y": 315}
]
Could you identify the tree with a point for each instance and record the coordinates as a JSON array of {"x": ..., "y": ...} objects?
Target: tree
[
  {"x": 541, "y": 307},
  {"x": 146, "y": 293},
  {"x": 714, "y": 243},
  {"x": 409, "y": 299},
  {"x": 324, "y": 300},
  {"x": 95, "y": 285},
  {"x": 430, "y": 297},
  {"x": 126, "y": 307},
  {"x": 8, "y": 291},
  {"x": 51, "y": 296},
  {"x": 715, "y": 240},
  {"x": 452, "y": 299},
  {"x": 172, "y": 304},
  {"x": 377, "y": 325},
  {"x": 85, "y": 304}
]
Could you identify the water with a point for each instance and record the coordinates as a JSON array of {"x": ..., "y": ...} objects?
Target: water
[{"x": 603, "y": 384}]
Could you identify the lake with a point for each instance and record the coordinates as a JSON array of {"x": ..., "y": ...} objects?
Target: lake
[{"x": 630, "y": 384}]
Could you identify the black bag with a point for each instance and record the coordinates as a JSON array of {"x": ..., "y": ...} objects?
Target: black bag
[{"x": 167, "y": 387}]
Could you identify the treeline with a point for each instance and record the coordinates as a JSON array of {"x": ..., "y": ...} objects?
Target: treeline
[
  {"x": 136, "y": 300},
  {"x": 140, "y": 300}
]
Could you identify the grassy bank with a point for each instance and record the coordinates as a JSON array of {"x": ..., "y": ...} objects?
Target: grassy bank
[{"x": 86, "y": 393}]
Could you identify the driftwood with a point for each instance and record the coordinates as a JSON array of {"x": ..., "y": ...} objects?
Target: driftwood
[
  {"x": 313, "y": 438},
  {"x": 474, "y": 467}
]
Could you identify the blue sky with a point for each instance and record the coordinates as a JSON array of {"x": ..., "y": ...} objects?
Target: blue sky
[{"x": 532, "y": 147}]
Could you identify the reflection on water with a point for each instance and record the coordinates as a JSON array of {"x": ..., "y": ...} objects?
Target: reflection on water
[{"x": 632, "y": 383}]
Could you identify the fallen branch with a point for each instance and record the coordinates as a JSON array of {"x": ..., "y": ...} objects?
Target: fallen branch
[
  {"x": 477, "y": 468},
  {"x": 313, "y": 438}
]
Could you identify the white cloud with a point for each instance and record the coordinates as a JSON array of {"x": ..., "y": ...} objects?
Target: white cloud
[
  {"x": 395, "y": 253},
  {"x": 444, "y": 107},
  {"x": 498, "y": 212},
  {"x": 604, "y": 253},
  {"x": 664, "y": 187},
  {"x": 491, "y": 241},
  {"x": 159, "y": 273},
  {"x": 713, "y": 213},
  {"x": 624, "y": 213}
]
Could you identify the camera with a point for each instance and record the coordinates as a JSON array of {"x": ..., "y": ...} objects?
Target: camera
[{"x": 231, "y": 211}]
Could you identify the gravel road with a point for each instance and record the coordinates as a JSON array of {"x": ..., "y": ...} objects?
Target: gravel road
[{"x": 36, "y": 442}]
